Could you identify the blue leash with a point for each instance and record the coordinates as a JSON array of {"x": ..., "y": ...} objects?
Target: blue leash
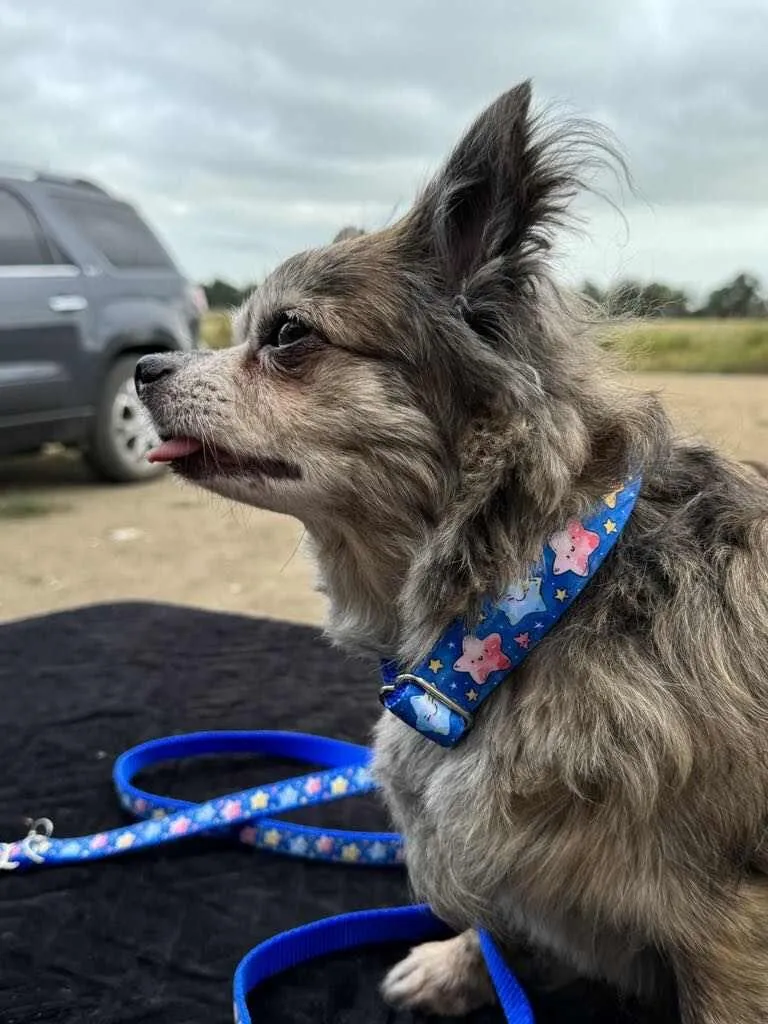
[{"x": 247, "y": 817}]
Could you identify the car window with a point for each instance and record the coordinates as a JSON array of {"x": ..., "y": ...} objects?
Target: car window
[
  {"x": 22, "y": 243},
  {"x": 118, "y": 232}
]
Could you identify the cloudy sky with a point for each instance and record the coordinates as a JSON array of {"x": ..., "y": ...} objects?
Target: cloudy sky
[{"x": 248, "y": 129}]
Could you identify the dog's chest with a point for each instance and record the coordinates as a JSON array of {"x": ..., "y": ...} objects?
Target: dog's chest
[
  {"x": 445, "y": 802},
  {"x": 476, "y": 857}
]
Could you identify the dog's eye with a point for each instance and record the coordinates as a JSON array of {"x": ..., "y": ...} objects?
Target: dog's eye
[{"x": 288, "y": 331}]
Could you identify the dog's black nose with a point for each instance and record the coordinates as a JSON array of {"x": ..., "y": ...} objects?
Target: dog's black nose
[{"x": 150, "y": 369}]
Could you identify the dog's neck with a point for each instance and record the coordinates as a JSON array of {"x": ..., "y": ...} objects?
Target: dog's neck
[
  {"x": 368, "y": 575},
  {"x": 363, "y": 583}
]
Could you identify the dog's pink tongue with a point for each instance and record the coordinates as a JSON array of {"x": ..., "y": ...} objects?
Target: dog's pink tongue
[{"x": 176, "y": 448}]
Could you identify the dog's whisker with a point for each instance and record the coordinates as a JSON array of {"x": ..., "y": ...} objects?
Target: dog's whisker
[{"x": 293, "y": 554}]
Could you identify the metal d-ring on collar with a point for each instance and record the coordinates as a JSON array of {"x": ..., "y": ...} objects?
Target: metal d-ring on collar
[{"x": 408, "y": 677}]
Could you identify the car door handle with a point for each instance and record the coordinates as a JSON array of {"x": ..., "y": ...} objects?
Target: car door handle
[{"x": 68, "y": 303}]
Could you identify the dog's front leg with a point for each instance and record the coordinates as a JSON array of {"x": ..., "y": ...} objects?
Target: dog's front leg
[
  {"x": 722, "y": 973},
  {"x": 447, "y": 978}
]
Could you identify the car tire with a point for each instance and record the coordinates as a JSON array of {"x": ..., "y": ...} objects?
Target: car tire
[{"x": 122, "y": 434}]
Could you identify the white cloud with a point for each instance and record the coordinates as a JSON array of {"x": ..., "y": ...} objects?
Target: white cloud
[{"x": 247, "y": 131}]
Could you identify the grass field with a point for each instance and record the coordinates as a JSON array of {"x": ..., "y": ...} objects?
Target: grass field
[
  {"x": 695, "y": 346},
  {"x": 659, "y": 346},
  {"x": 215, "y": 330}
]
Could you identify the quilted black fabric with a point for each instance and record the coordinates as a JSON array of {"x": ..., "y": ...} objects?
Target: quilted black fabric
[{"x": 155, "y": 937}]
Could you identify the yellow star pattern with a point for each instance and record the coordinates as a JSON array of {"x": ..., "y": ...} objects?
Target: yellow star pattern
[
  {"x": 610, "y": 526},
  {"x": 125, "y": 840},
  {"x": 435, "y": 665},
  {"x": 472, "y": 695},
  {"x": 351, "y": 852},
  {"x": 610, "y": 499},
  {"x": 560, "y": 595},
  {"x": 272, "y": 838},
  {"x": 259, "y": 801},
  {"x": 339, "y": 786},
  {"x": 158, "y": 813}
]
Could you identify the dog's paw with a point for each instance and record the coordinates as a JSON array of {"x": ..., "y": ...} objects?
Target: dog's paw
[{"x": 447, "y": 978}]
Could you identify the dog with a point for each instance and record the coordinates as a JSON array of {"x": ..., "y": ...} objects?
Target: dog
[{"x": 433, "y": 407}]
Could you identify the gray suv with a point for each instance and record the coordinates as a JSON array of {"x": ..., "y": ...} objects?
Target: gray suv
[{"x": 85, "y": 289}]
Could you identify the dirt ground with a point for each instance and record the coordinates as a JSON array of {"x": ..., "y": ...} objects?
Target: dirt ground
[{"x": 67, "y": 541}]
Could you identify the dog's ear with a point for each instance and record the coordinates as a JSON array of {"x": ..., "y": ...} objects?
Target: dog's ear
[
  {"x": 346, "y": 233},
  {"x": 496, "y": 199}
]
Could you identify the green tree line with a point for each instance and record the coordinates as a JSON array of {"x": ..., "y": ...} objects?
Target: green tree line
[{"x": 742, "y": 298}]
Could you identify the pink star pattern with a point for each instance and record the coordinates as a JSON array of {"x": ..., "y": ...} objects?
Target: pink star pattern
[
  {"x": 248, "y": 835},
  {"x": 313, "y": 786},
  {"x": 480, "y": 658},
  {"x": 231, "y": 809}
]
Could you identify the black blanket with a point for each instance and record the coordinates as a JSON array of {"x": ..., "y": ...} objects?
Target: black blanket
[{"x": 155, "y": 937}]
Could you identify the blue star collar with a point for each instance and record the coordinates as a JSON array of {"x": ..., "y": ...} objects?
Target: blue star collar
[{"x": 440, "y": 696}]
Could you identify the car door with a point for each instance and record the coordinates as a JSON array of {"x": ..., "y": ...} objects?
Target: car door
[{"x": 42, "y": 308}]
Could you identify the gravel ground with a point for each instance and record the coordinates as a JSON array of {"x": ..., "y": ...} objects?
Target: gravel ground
[{"x": 66, "y": 541}]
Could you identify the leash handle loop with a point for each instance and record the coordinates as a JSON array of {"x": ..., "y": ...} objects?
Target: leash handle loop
[{"x": 247, "y": 816}]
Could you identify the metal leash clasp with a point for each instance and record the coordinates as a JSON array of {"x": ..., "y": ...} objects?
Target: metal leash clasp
[{"x": 33, "y": 846}]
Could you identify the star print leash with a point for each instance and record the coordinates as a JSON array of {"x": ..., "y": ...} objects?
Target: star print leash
[
  {"x": 247, "y": 817},
  {"x": 440, "y": 696}
]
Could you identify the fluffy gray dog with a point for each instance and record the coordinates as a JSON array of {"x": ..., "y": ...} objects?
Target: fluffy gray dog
[{"x": 432, "y": 407}]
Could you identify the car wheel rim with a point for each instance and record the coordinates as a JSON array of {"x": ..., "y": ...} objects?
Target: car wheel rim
[{"x": 132, "y": 429}]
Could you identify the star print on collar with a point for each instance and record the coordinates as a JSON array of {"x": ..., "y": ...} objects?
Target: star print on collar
[
  {"x": 572, "y": 547},
  {"x": 481, "y": 657},
  {"x": 441, "y": 695},
  {"x": 611, "y": 498},
  {"x": 431, "y": 716},
  {"x": 523, "y": 599}
]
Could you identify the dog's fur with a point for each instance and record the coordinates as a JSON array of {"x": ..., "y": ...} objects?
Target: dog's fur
[{"x": 444, "y": 410}]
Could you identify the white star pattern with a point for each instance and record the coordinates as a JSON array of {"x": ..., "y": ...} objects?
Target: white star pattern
[{"x": 288, "y": 796}]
